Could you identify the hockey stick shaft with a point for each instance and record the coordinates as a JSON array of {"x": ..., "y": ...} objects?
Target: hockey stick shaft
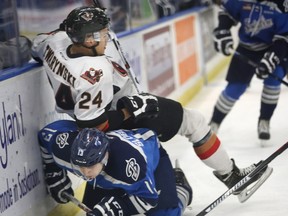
[
  {"x": 121, "y": 54},
  {"x": 126, "y": 64},
  {"x": 255, "y": 65},
  {"x": 97, "y": 4},
  {"x": 243, "y": 181},
  {"x": 76, "y": 201}
]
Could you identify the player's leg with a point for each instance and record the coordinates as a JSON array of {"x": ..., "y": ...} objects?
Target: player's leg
[
  {"x": 166, "y": 125},
  {"x": 239, "y": 76},
  {"x": 225, "y": 103},
  {"x": 208, "y": 148},
  {"x": 176, "y": 193},
  {"x": 269, "y": 100}
]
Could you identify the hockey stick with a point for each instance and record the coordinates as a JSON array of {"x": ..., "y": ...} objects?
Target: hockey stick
[
  {"x": 98, "y": 4},
  {"x": 76, "y": 201},
  {"x": 121, "y": 54},
  {"x": 255, "y": 65},
  {"x": 243, "y": 181},
  {"x": 127, "y": 65}
]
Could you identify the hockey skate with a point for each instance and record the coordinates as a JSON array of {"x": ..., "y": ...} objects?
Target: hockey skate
[
  {"x": 182, "y": 181},
  {"x": 248, "y": 189},
  {"x": 263, "y": 129}
]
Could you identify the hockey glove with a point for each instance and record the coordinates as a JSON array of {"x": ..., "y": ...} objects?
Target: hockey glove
[
  {"x": 57, "y": 181},
  {"x": 108, "y": 206},
  {"x": 140, "y": 106},
  {"x": 267, "y": 65},
  {"x": 223, "y": 41}
]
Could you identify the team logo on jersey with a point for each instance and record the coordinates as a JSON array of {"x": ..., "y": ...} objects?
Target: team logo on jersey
[
  {"x": 61, "y": 140},
  {"x": 92, "y": 75},
  {"x": 256, "y": 26},
  {"x": 87, "y": 16},
  {"x": 132, "y": 169},
  {"x": 120, "y": 69}
]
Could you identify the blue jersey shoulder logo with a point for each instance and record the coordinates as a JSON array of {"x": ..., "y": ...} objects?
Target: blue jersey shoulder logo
[
  {"x": 61, "y": 140},
  {"x": 132, "y": 169}
]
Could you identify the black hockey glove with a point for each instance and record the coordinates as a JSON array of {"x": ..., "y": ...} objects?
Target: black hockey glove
[
  {"x": 223, "y": 41},
  {"x": 108, "y": 206},
  {"x": 140, "y": 106},
  {"x": 57, "y": 181},
  {"x": 267, "y": 65}
]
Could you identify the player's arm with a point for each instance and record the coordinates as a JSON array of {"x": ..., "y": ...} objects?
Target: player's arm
[
  {"x": 223, "y": 41},
  {"x": 108, "y": 120},
  {"x": 39, "y": 44},
  {"x": 229, "y": 14},
  {"x": 129, "y": 204},
  {"x": 126, "y": 205},
  {"x": 280, "y": 39},
  {"x": 277, "y": 51},
  {"x": 138, "y": 106},
  {"x": 93, "y": 109},
  {"x": 56, "y": 178}
]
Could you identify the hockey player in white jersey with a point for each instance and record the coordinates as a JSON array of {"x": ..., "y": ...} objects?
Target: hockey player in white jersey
[{"x": 98, "y": 92}]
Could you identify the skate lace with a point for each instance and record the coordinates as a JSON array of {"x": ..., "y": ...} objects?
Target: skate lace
[{"x": 247, "y": 170}]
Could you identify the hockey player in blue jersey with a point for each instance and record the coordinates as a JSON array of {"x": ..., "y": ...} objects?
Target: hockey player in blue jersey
[
  {"x": 131, "y": 167},
  {"x": 263, "y": 37}
]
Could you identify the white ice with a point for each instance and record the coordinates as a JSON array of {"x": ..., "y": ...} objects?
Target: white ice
[{"x": 238, "y": 134}]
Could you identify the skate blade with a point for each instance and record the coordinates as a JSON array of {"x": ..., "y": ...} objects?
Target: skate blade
[
  {"x": 265, "y": 143},
  {"x": 249, "y": 191}
]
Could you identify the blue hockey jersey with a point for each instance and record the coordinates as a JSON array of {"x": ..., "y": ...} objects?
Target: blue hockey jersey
[
  {"x": 262, "y": 23},
  {"x": 133, "y": 158}
]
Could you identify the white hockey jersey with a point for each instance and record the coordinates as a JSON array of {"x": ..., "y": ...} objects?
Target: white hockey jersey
[{"x": 83, "y": 86}]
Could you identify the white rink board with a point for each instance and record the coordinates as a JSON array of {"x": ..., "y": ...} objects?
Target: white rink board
[
  {"x": 20, "y": 162},
  {"x": 24, "y": 110}
]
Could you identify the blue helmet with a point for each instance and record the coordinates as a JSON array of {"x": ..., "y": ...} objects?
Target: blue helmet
[{"x": 89, "y": 147}]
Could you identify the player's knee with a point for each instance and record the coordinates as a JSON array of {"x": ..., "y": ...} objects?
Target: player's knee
[
  {"x": 234, "y": 90},
  {"x": 194, "y": 125}
]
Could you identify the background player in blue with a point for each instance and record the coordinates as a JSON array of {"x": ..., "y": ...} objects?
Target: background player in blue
[
  {"x": 130, "y": 164},
  {"x": 263, "y": 38}
]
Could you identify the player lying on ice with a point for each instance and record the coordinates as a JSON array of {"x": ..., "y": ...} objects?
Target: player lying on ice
[
  {"x": 109, "y": 101},
  {"x": 131, "y": 167}
]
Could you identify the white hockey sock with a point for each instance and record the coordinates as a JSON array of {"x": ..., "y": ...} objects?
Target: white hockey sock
[{"x": 219, "y": 161}]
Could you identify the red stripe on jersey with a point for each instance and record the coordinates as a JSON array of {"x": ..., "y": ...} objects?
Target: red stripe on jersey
[{"x": 209, "y": 152}]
